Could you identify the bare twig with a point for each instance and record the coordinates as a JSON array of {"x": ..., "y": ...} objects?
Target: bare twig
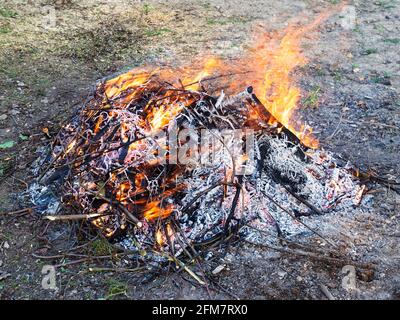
[
  {"x": 28, "y": 210},
  {"x": 94, "y": 269}
]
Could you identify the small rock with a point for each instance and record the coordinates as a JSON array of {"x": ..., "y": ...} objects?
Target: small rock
[
  {"x": 6, "y": 245},
  {"x": 3, "y": 117},
  {"x": 282, "y": 274},
  {"x": 219, "y": 269},
  {"x": 20, "y": 84}
]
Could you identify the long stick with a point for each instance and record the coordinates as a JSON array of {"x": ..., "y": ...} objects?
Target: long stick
[
  {"x": 116, "y": 269},
  {"x": 73, "y": 217}
]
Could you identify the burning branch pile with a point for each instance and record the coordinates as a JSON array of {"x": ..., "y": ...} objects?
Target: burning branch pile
[
  {"x": 124, "y": 162},
  {"x": 159, "y": 163}
]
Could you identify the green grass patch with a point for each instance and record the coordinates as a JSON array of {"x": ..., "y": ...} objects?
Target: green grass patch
[
  {"x": 338, "y": 75},
  {"x": 7, "y": 13},
  {"x": 380, "y": 28},
  {"x": 13, "y": 96},
  {"x": 5, "y": 167},
  {"x": 147, "y": 8},
  {"x": 320, "y": 72},
  {"x": 382, "y": 79},
  {"x": 23, "y": 137},
  {"x": 313, "y": 98},
  {"x": 369, "y": 51},
  {"x": 385, "y": 4},
  {"x": 206, "y": 5},
  {"x": 41, "y": 85},
  {"x": 101, "y": 247},
  {"x": 392, "y": 40},
  {"x": 100, "y": 47},
  {"x": 7, "y": 145},
  {"x": 5, "y": 29},
  {"x": 116, "y": 288}
]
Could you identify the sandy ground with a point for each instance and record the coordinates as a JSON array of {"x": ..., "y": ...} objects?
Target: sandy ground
[{"x": 53, "y": 52}]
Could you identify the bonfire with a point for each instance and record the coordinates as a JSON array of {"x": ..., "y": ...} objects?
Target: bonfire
[{"x": 172, "y": 160}]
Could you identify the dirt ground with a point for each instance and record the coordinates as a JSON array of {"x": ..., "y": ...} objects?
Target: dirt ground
[{"x": 53, "y": 52}]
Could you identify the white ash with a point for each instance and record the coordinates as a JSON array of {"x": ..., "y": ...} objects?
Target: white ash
[
  {"x": 43, "y": 198},
  {"x": 327, "y": 186}
]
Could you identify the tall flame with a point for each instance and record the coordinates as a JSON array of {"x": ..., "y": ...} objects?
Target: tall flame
[
  {"x": 277, "y": 90},
  {"x": 269, "y": 66},
  {"x": 210, "y": 66}
]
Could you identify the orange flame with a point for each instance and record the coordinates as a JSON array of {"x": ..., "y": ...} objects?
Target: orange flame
[
  {"x": 129, "y": 80},
  {"x": 210, "y": 66},
  {"x": 277, "y": 90},
  {"x": 269, "y": 65},
  {"x": 160, "y": 117},
  {"x": 154, "y": 211}
]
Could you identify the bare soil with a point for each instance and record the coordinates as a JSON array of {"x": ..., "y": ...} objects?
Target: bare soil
[{"x": 351, "y": 97}]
